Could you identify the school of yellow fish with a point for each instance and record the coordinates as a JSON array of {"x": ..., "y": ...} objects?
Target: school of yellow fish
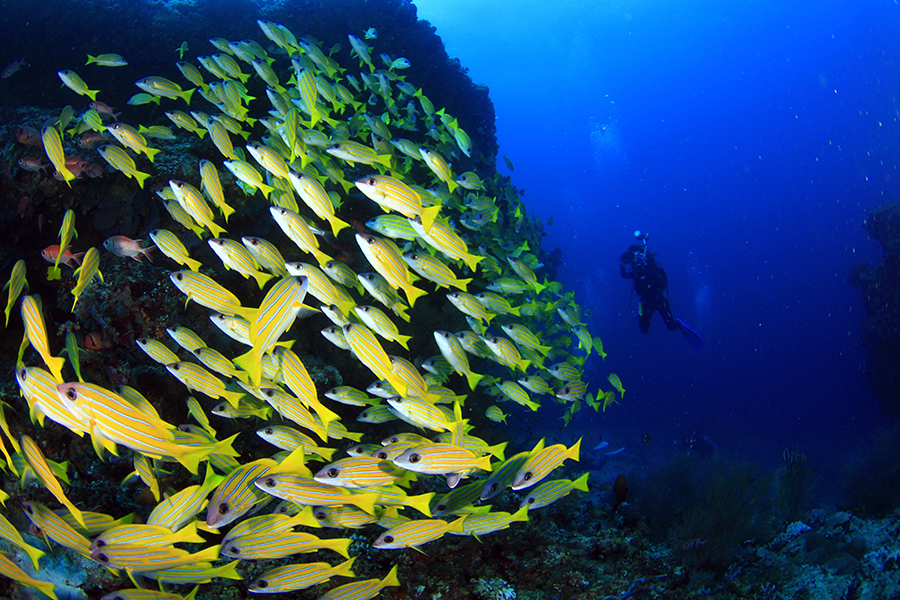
[{"x": 327, "y": 132}]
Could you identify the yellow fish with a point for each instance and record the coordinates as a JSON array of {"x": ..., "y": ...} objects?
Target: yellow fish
[
  {"x": 16, "y": 284},
  {"x": 38, "y": 463},
  {"x": 384, "y": 256},
  {"x": 54, "y": 150},
  {"x": 36, "y": 334}
]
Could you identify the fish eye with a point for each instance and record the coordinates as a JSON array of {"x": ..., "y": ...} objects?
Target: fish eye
[
  {"x": 175, "y": 367},
  {"x": 223, "y": 508},
  {"x": 394, "y": 440},
  {"x": 23, "y": 374},
  {"x": 414, "y": 458},
  {"x": 531, "y": 500},
  {"x": 371, "y": 240},
  {"x": 254, "y": 241},
  {"x": 336, "y": 147},
  {"x": 320, "y": 515},
  {"x": 100, "y": 543},
  {"x": 381, "y": 455},
  {"x": 494, "y": 487},
  {"x": 268, "y": 431},
  {"x": 270, "y": 482},
  {"x": 269, "y": 393},
  {"x": 333, "y": 472},
  {"x": 71, "y": 394},
  {"x": 179, "y": 276},
  {"x": 235, "y": 550},
  {"x": 102, "y": 558},
  {"x": 528, "y": 476},
  {"x": 262, "y": 584},
  {"x": 387, "y": 539},
  {"x": 372, "y": 181}
]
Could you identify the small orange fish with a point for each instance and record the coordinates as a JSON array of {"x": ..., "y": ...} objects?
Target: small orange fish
[
  {"x": 125, "y": 246},
  {"x": 90, "y": 141},
  {"x": 94, "y": 341},
  {"x": 104, "y": 109},
  {"x": 31, "y": 163},
  {"x": 28, "y": 136},
  {"x": 50, "y": 253}
]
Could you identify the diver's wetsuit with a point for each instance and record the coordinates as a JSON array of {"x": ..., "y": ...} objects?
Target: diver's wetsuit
[{"x": 650, "y": 282}]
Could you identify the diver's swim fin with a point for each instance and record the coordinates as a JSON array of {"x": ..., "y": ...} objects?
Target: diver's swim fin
[{"x": 692, "y": 336}]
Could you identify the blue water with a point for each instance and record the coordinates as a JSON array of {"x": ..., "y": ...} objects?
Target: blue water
[{"x": 749, "y": 140}]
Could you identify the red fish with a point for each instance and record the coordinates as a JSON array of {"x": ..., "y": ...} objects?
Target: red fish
[
  {"x": 50, "y": 252},
  {"x": 31, "y": 163},
  {"x": 28, "y": 136},
  {"x": 90, "y": 141},
  {"x": 104, "y": 109},
  {"x": 125, "y": 246},
  {"x": 94, "y": 341}
]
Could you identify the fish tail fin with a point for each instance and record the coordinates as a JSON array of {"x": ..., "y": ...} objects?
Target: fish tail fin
[
  {"x": 321, "y": 257},
  {"x": 265, "y": 189},
  {"x": 403, "y": 340},
  {"x": 574, "y": 450},
  {"x": 207, "y": 554},
  {"x": 151, "y": 153},
  {"x": 200, "y": 132},
  {"x": 55, "y": 364},
  {"x": 91, "y": 59},
  {"x": 251, "y": 362},
  {"x": 192, "y": 456},
  {"x": 188, "y": 534},
  {"x": 428, "y": 216},
  {"x": 34, "y": 554},
  {"x": 261, "y": 278},
  {"x": 216, "y": 229},
  {"x": 524, "y": 364},
  {"x": 345, "y": 569},
  {"x": 473, "y": 379},
  {"x": 337, "y": 225},
  {"x": 92, "y": 94},
  {"x": 229, "y": 571},
  {"x": 532, "y": 405},
  {"x": 46, "y": 587},
  {"x": 186, "y": 95},
  {"x": 75, "y": 512},
  {"x": 339, "y": 545},
  {"x": 515, "y": 310},
  {"x": 400, "y": 311},
  {"x": 452, "y": 185},
  {"x": 193, "y": 265},
  {"x": 485, "y": 463},
  {"x": 384, "y": 159},
  {"x": 497, "y": 451},
  {"x": 141, "y": 178},
  {"x": 520, "y": 515},
  {"x": 364, "y": 502},
  {"x": 224, "y": 447},
  {"x": 582, "y": 482},
  {"x": 462, "y": 283},
  {"x": 227, "y": 211},
  {"x": 473, "y": 260},
  {"x": 545, "y": 350},
  {"x": 412, "y": 293},
  {"x": 234, "y": 398},
  {"x": 390, "y": 580}
]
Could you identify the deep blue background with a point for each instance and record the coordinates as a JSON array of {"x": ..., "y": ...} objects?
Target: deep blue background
[{"x": 749, "y": 139}]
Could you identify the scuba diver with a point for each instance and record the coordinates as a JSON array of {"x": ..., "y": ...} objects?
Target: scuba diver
[{"x": 651, "y": 283}]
